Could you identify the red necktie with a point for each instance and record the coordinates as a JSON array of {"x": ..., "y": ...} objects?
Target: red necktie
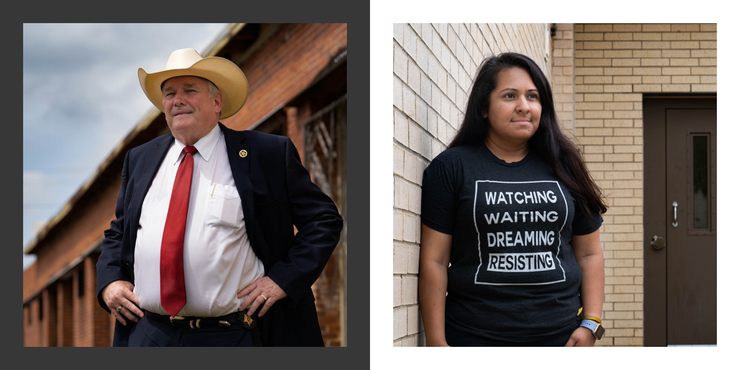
[{"x": 171, "y": 275}]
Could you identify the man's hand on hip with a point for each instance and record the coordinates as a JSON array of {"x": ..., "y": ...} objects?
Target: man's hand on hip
[
  {"x": 264, "y": 290},
  {"x": 120, "y": 298}
]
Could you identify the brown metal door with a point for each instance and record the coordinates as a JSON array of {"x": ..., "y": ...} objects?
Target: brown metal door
[{"x": 680, "y": 221}]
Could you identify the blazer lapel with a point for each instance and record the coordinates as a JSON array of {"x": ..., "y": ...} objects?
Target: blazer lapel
[
  {"x": 154, "y": 158},
  {"x": 237, "y": 149}
]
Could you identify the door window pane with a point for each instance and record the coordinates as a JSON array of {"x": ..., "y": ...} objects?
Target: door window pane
[{"x": 701, "y": 182}]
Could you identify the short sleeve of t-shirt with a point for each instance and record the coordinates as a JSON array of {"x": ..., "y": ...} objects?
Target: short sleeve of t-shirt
[
  {"x": 439, "y": 197},
  {"x": 584, "y": 224}
]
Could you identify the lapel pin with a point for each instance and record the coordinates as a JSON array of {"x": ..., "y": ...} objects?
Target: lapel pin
[{"x": 243, "y": 153}]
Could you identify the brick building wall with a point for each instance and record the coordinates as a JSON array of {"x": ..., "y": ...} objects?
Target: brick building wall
[
  {"x": 283, "y": 66},
  {"x": 48, "y": 326},
  {"x": 82, "y": 230},
  {"x": 614, "y": 65},
  {"x": 563, "y": 61},
  {"x": 433, "y": 69},
  {"x": 64, "y": 314},
  {"x": 68, "y": 318},
  {"x": 31, "y": 327}
]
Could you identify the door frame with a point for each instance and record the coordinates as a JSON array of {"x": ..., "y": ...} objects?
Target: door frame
[{"x": 656, "y": 210}]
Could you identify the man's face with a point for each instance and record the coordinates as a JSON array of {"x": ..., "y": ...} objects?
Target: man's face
[{"x": 189, "y": 111}]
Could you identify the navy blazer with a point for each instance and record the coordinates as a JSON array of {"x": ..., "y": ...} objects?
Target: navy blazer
[{"x": 276, "y": 194}]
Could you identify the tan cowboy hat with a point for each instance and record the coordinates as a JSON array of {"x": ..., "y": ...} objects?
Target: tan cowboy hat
[{"x": 226, "y": 75}]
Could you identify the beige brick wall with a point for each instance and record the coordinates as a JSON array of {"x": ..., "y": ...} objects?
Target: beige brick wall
[
  {"x": 433, "y": 69},
  {"x": 614, "y": 65},
  {"x": 563, "y": 62}
]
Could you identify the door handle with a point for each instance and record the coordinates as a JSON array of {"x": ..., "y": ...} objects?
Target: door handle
[
  {"x": 675, "y": 214},
  {"x": 658, "y": 242}
]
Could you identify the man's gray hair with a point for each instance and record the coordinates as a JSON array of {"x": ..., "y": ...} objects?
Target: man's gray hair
[{"x": 212, "y": 89}]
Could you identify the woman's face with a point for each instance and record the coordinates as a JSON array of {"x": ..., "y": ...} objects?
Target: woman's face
[{"x": 514, "y": 110}]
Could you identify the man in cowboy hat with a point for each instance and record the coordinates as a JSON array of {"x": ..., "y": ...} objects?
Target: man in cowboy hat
[{"x": 203, "y": 251}]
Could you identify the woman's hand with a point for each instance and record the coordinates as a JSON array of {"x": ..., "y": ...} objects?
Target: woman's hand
[{"x": 582, "y": 337}]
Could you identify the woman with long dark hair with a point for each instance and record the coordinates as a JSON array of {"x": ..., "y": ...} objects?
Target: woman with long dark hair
[{"x": 510, "y": 250}]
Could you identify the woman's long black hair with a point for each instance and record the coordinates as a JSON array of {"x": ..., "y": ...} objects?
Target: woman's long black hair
[{"x": 548, "y": 141}]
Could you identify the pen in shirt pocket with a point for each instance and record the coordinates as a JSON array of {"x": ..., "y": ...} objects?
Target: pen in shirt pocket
[{"x": 214, "y": 189}]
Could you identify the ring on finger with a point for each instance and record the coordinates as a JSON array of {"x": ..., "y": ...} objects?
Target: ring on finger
[
  {"x": 118, "y": 309},
  {"x": 263, "y": 297}
]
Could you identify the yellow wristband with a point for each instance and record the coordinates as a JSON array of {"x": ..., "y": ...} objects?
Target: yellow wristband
[{"x": 592, "y": 318}]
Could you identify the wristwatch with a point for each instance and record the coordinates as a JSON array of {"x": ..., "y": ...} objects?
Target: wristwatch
[{"x": 594, "y": 327}]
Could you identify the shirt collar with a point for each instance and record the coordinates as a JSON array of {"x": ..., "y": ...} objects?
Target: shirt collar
[{"x": 204, "y": 146}]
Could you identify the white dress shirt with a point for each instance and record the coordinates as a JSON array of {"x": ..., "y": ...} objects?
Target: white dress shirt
[{"x": 217, "y": 258}]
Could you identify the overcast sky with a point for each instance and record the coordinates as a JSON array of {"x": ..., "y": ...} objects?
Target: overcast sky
[{"x": 81, "y": 97}]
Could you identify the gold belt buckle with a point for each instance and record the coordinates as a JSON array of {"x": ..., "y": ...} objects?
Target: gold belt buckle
[
  {"x": 193, "y": 324},
  {"x": 174, "y": 319}
]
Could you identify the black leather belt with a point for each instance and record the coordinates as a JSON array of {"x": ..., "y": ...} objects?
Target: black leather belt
[{"x": 191, "y": 322}]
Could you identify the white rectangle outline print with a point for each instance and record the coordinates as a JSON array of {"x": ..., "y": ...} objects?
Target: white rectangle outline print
[{"x": 480, "y": 255}]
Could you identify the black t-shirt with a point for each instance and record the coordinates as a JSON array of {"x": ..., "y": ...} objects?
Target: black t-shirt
[{"x": 512, "y": 276}]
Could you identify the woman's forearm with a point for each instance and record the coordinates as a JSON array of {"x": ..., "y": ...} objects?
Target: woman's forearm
[
  {"x": 592, "y": 284},
  {"x": 590, "y": 257},
  {"x": 432, "y": 295},
  {"x": 434, "y": 257}
]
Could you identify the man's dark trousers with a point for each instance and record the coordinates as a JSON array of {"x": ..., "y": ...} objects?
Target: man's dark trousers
[{"x": 153, "y": 333}]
